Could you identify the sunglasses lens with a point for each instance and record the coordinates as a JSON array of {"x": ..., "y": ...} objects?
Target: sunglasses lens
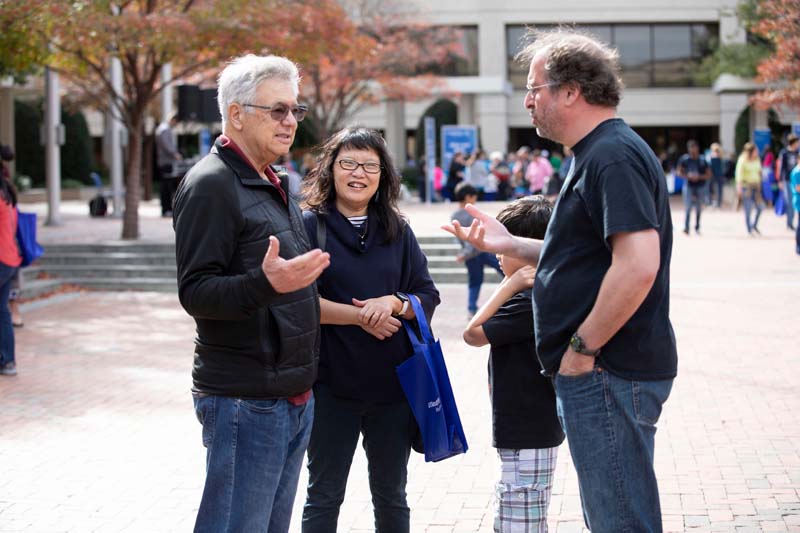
[
  {"x": 299, "y": 113},
  {"x": 279, "y": 112}
]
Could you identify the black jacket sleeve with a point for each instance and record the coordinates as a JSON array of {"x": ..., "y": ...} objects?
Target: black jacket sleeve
[{"x": 207, "y": 222}]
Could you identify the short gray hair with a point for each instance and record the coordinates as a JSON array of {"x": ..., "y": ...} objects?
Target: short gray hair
[
  {"x": 239, "y": 80},
  {"x": 575, "y": 57}
]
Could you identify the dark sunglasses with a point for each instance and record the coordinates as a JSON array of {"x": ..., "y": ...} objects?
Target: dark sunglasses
[{"x": 279, "y": 112}]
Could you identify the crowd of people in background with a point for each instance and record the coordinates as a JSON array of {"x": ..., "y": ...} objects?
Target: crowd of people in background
[{"x": 501, "y": 177}]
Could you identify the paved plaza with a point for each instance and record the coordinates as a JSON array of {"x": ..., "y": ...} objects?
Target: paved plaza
[{"x": 98, "y": 434}]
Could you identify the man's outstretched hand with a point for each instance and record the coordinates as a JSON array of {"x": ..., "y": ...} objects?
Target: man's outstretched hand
[
  {"x": 485, "y": 233},
  {"x": 288, "y": 275}
]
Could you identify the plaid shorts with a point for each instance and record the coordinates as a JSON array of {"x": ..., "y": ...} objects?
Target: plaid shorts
[{"x": 523, "y": 492}]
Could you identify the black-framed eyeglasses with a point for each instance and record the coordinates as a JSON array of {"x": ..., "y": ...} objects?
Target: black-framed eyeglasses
[
  {"x": 532, "y": 90},
  {"x": 370, "y": 167},
  {"x": 279, "y": 112}
]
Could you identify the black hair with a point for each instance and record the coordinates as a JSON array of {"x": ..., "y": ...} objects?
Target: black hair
[
  {"x": 319, "y": 190},
  {"x": 527, "y": 217},
  {"x": 463, "y": 190}
]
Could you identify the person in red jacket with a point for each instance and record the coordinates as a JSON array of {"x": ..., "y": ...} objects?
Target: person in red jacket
[{"x": 10, "y": 260}]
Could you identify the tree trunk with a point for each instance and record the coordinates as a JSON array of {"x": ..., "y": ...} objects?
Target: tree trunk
[{"x": 133, "y": 183}]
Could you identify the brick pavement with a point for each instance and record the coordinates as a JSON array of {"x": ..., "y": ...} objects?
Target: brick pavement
[{"x": 97, "y": 432}]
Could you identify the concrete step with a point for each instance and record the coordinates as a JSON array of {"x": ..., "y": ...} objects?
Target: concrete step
[
  {"x": 459, "y": 275},
  {"x": 128, "y": 284},
  {"x": 69, "y": 272},
  {"x": 111, "y": 247},
  {"x": 34, "y": 288},
  {"x": 52, "y": 260}
]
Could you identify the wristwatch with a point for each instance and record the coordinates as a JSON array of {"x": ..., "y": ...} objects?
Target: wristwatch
[
  {"x": 403, "y": 297},
  {"x": 579, "y": 346}
]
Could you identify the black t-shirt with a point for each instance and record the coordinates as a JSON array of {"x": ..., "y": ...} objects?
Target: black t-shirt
[
  {"x": 688, "y": 164},
  {"x": 523, "y": 400},
  {"x": 615, "y": 185}
]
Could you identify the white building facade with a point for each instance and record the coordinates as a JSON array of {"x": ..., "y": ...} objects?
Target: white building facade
[{"x": 660, "y": 44}]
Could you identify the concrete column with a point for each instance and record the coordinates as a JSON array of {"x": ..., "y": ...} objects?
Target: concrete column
[
  {"x": 492, "y": 113},
  {"x": 491, "y": 45},
  {"x": 115, "y": 141},
  {"x": 466, "y": 109},
  {"x": 7, "y": 131},
  {"x": 166, "y": 92},
  {"x": 731, "y": 106},
  {"x": 396, "y": 131},
  {"x": 53, "y": 138}
]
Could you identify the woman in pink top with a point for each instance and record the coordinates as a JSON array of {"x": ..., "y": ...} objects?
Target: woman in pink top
[
  {"x": 10, "y": 260},
  {"x": 539, "y": 169}
]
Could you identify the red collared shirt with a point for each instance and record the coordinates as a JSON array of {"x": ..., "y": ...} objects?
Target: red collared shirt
[{"x": 227, "y": 142}]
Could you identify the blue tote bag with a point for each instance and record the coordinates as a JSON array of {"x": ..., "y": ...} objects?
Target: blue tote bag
[
  {"x": 427, "y": 387},
  {"x": 29, "y": 249}
]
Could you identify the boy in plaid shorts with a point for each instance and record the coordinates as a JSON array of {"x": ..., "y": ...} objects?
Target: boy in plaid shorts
[{"x": 526, "y": 430}]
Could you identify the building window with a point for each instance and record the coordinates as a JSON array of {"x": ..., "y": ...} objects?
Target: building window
[
  {"x": 651, "y": 55},
  {"x": 463, "y": 63}
]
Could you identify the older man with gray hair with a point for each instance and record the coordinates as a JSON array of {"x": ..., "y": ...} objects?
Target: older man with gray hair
[
  {"x": 601, "y": 293},
  {"x": 246, "y": 274}
]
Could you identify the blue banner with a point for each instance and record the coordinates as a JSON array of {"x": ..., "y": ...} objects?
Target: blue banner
[
  {"x": 462, "y": 139},
  {"x": 761, "y": 138},
  {"x": 430, "y": 156}
]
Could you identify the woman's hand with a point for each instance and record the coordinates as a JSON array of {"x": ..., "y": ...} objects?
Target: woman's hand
[
  {"x": 376, "y": 311},
  {"x": 385, "y": 330}
]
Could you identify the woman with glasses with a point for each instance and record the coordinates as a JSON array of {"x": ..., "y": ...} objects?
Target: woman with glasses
[
  {"x": 748, "y": 181},
  {"x": 376, "y": 266}
]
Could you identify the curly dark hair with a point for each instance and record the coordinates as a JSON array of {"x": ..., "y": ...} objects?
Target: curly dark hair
[
  {"x": 527, "y": 217},
  {"x": 319, "y": 192},
  {"x": 576, "y": 58}
]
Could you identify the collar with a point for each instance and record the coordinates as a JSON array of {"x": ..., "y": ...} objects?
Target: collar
[{"x": 226, "y": 144}]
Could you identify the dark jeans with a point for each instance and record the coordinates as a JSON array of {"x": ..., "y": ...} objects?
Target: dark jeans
[
  {"x": 717, "y": 187},
  {"x": 6, "y": 328},
  {"x": 254, "y": 453},
  {"x": 167, "y": 188},
  {"x": 692, "y": 197},
  {"x": 387, "y": 442},
  {"x": 787, "y": 197},
  {"x": 797, "y": 234},
  {"x": 475, "y": 276},
  {"x": 610, "y": 423}
]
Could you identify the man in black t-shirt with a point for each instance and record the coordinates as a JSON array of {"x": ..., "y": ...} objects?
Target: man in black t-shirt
[
  {"x": 696, "y": 173},
  {"x": 601, "y": 294}
]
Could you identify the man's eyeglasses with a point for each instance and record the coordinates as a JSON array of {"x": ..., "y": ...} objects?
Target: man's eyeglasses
[
  {"x": 279, "y": 112},
  {"x": 535, "y": 89},
  {"x": 370, "y": 167}
]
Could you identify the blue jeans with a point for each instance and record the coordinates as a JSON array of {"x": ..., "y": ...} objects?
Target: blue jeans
[
  {"x": 750, "y": 198},
  {"x": 387, "y": 442},
  {"x": 692, "y": 197},
  {"x": 6, "y": 329},
  {"x": 475, "y": 276},
  {"x": 254, "y": 452},
  {"x": 718, "y": 187},
  {"x": 787, "y": 196},
  {"x": 610, "y": 424},
  {"x": 797, "y": 234}
]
